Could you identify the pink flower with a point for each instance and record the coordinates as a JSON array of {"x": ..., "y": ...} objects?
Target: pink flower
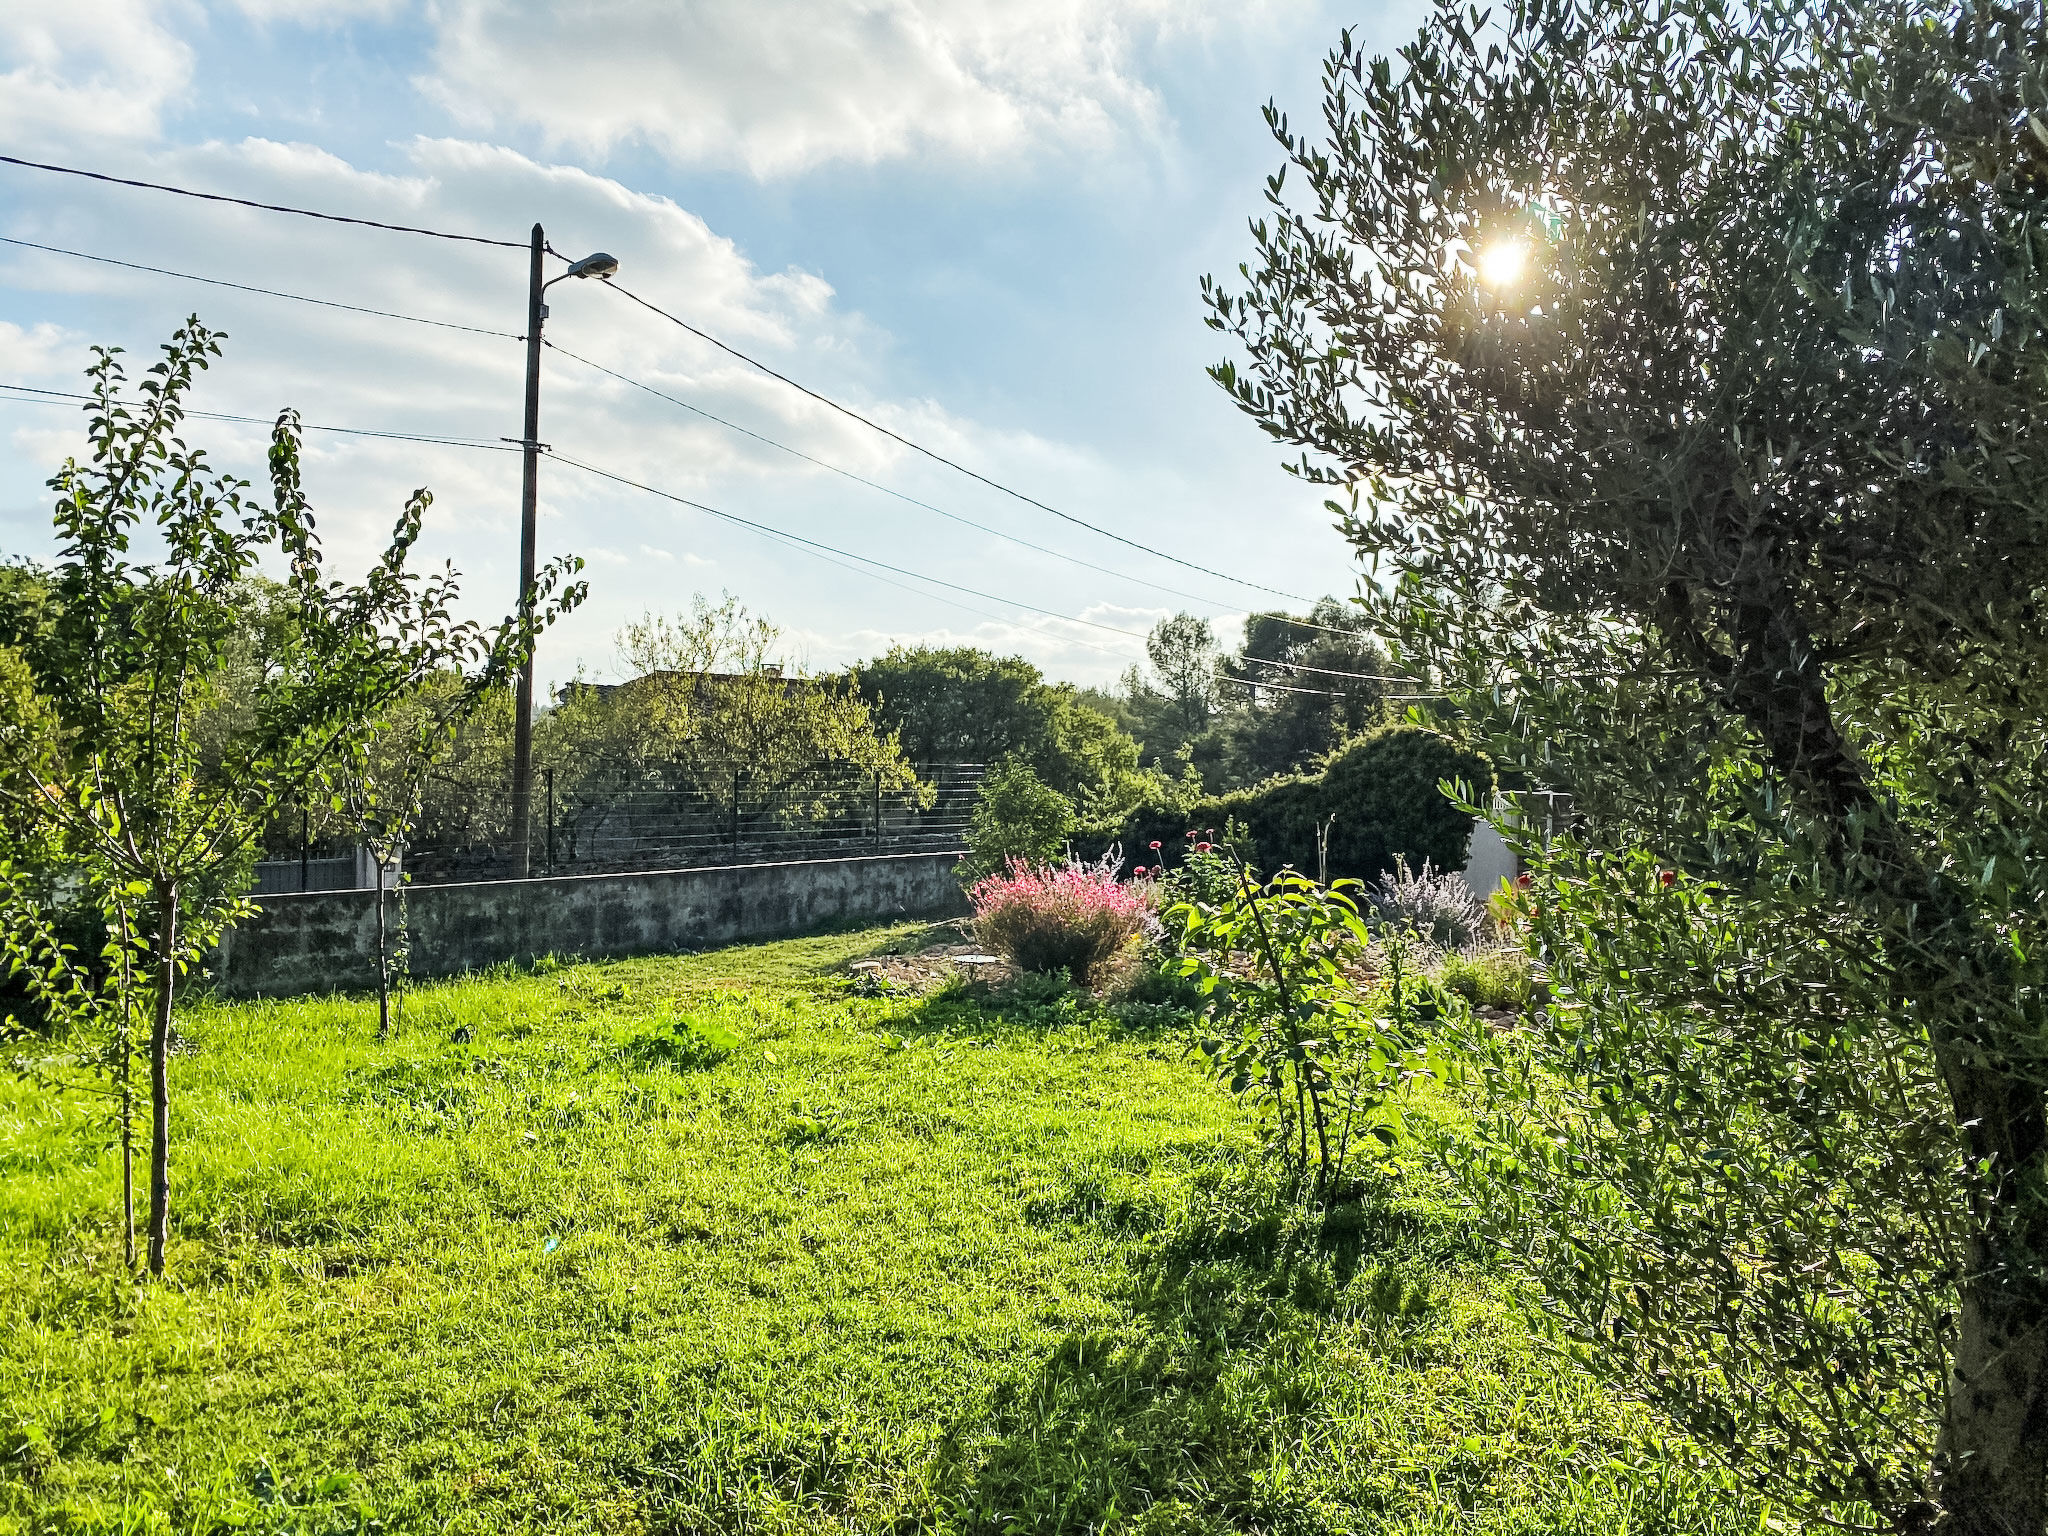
[
  {"x": 1202, "y": 847},
  {"x": 1154, "y": 845}
]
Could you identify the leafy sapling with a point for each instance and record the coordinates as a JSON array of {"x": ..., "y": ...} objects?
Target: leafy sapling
[{"x": 160, "y": 784}]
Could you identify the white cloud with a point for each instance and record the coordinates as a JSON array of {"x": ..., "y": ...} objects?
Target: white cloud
[
  {"x": 316, "y": 12},
  {"x": 98, "y": 69},
  {"x": 792, "y": 84},
  {"x": 42, "y": 352}
]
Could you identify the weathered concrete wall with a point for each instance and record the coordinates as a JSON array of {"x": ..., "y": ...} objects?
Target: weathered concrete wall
[{"x": 326, "y": 941}]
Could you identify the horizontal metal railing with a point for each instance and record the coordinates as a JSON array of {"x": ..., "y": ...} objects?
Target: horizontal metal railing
[{"x": 727, "y": 815}]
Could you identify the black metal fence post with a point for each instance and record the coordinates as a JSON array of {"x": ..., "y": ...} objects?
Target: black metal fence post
[
  {"x": 305, "y": 849},
  {"x": 878, "y": 810},
  {"x": 550, "y": 773},
  {"x": 735, "y": 815}
]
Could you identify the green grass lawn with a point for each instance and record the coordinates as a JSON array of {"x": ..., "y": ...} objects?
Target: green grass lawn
[{"x": 890, "y": 1265}]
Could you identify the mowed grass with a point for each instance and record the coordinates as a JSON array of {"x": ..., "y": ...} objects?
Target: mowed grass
[{"x": 890, "y": 1265}]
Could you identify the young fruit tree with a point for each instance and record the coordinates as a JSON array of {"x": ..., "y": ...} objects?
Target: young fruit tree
[
  {"x": 149, "y": 782},
  {"x": 1686, "y": 366}
]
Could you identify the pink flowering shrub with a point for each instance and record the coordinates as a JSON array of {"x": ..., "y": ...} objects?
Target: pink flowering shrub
[{"x": 1051, "y": 917}]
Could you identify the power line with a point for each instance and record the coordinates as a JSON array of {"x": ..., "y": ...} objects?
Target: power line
[
  {"x": 274, "y": 293},
  {"x": 823, "y": 551},
  {"x": 939, "y": 458},
  {"x": 1295, "y": 666},
  {"x": 1321, "y": 693},
  {"x": 876, "y": 485},
  {"x": 847, "y": 554},
  {"x": 217, "y": 197},
  {"x": 58, "y": 396},
  {"x": 271, "y": 293}
]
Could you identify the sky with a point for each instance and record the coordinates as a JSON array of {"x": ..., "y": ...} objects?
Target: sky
[{"x": 980, "y": 223}]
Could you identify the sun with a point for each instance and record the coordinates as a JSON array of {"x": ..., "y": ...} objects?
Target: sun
[{"x": 1501, "y": 263}]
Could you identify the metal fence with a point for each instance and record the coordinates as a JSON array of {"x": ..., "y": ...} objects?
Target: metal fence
[{"x": 736, "y": 815}]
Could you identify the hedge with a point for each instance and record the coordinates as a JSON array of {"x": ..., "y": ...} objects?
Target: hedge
[{"x": 1382, "y": 789}]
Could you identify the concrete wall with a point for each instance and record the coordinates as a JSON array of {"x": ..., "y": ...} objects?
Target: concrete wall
[{"x": 326, "y": 941}]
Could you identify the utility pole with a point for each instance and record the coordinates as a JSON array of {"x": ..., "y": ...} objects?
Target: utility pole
[
  {"x": 529, "y": 510},
  {"x": 597, "y": 265}
]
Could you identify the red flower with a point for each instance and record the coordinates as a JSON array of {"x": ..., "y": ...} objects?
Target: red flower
[
  {"x": 1521, "y": 882},
  {"x": 1666, "y": 878},
  {"x": 1202, "y": 847},
  {"x": 1154, "y": 846}
]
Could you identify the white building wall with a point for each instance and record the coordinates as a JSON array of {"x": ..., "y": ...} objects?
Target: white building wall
[{"x": 1491, "y": 862}]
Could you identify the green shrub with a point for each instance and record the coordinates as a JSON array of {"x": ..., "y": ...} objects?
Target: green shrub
[
  {"x": 1016, "y": 816},
  {"x": 1381, "y": 789},
  {"x": 1495, "y": 979}
]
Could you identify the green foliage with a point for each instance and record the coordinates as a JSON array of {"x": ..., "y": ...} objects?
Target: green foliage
[
  {"x": 1728, "y": 514},
  {"x": 1294, "y": 1029},
  {"x": 158, "y": 753},
  {"x": 524, "y": 1285},
  {"x": 1658, "y": 1132},
  {"x": 1015, "y": 817},
  {"x": 1494, "y": 978},
  {"x": 1332, "y": 687},
  {"x": 959, "y": 704},
  {"x": 1382, "y": 791},
  {"x": 687, "y": 1042}
]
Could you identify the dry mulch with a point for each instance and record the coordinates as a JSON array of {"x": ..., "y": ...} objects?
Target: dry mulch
[{"x": 931, "y": 967}]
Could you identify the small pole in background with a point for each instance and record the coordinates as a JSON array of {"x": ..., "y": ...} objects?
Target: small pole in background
[
  {"x": 735, "y": 814},
  {"x": 878, "y": 810},
  {"x": 305, "y": 849},
  {"x": 550, "y": 774}
]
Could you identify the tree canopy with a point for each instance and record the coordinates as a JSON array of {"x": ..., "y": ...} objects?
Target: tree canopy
[{"x": 1684, "y": 366}]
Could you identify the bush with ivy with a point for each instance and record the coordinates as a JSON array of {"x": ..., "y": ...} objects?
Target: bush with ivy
[{"x": 1375, "y": 800}]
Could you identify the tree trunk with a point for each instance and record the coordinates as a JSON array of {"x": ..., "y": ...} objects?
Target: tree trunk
[
  {"x": 383, "y": 963},
  {"x": 1991, "y": 1466},
  {"x": 166, "y": 958},
  {"x": 124, "y": 1042},
  {"x": 126, "y": 1046}
]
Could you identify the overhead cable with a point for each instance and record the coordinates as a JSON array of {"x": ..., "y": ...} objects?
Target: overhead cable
[
  {"x": 847, "y": 554},
  {"x": 876, "y": 485},
  {"x": 55, "y": 396},
  {"x": 1295, "y": 666},
  {"x": 217, "y": 197},
  {"x": 1321, "y": 693},
  {"x": 270, "y": 293},
  {"x": 939, "y": 458}
]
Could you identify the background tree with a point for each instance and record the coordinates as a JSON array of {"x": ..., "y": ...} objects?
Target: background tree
[
  {"x": 136, "y": 668},
  {"x": 1170, "y": 708},
  {"x": 1688, "y": 365},
  {"x": 1330, "y": 673},
  {"x": 960, "y": 704}
]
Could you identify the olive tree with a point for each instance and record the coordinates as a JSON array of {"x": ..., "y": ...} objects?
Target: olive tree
[
  {"x": 151, "y": 779},
  {"x": 1683, "y": 368}
]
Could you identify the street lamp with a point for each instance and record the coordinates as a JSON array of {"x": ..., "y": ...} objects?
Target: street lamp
[{"x": 597, "y": 265}]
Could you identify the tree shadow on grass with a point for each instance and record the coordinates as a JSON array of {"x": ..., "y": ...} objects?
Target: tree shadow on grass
[{"x": 1169, "y": 1420}]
